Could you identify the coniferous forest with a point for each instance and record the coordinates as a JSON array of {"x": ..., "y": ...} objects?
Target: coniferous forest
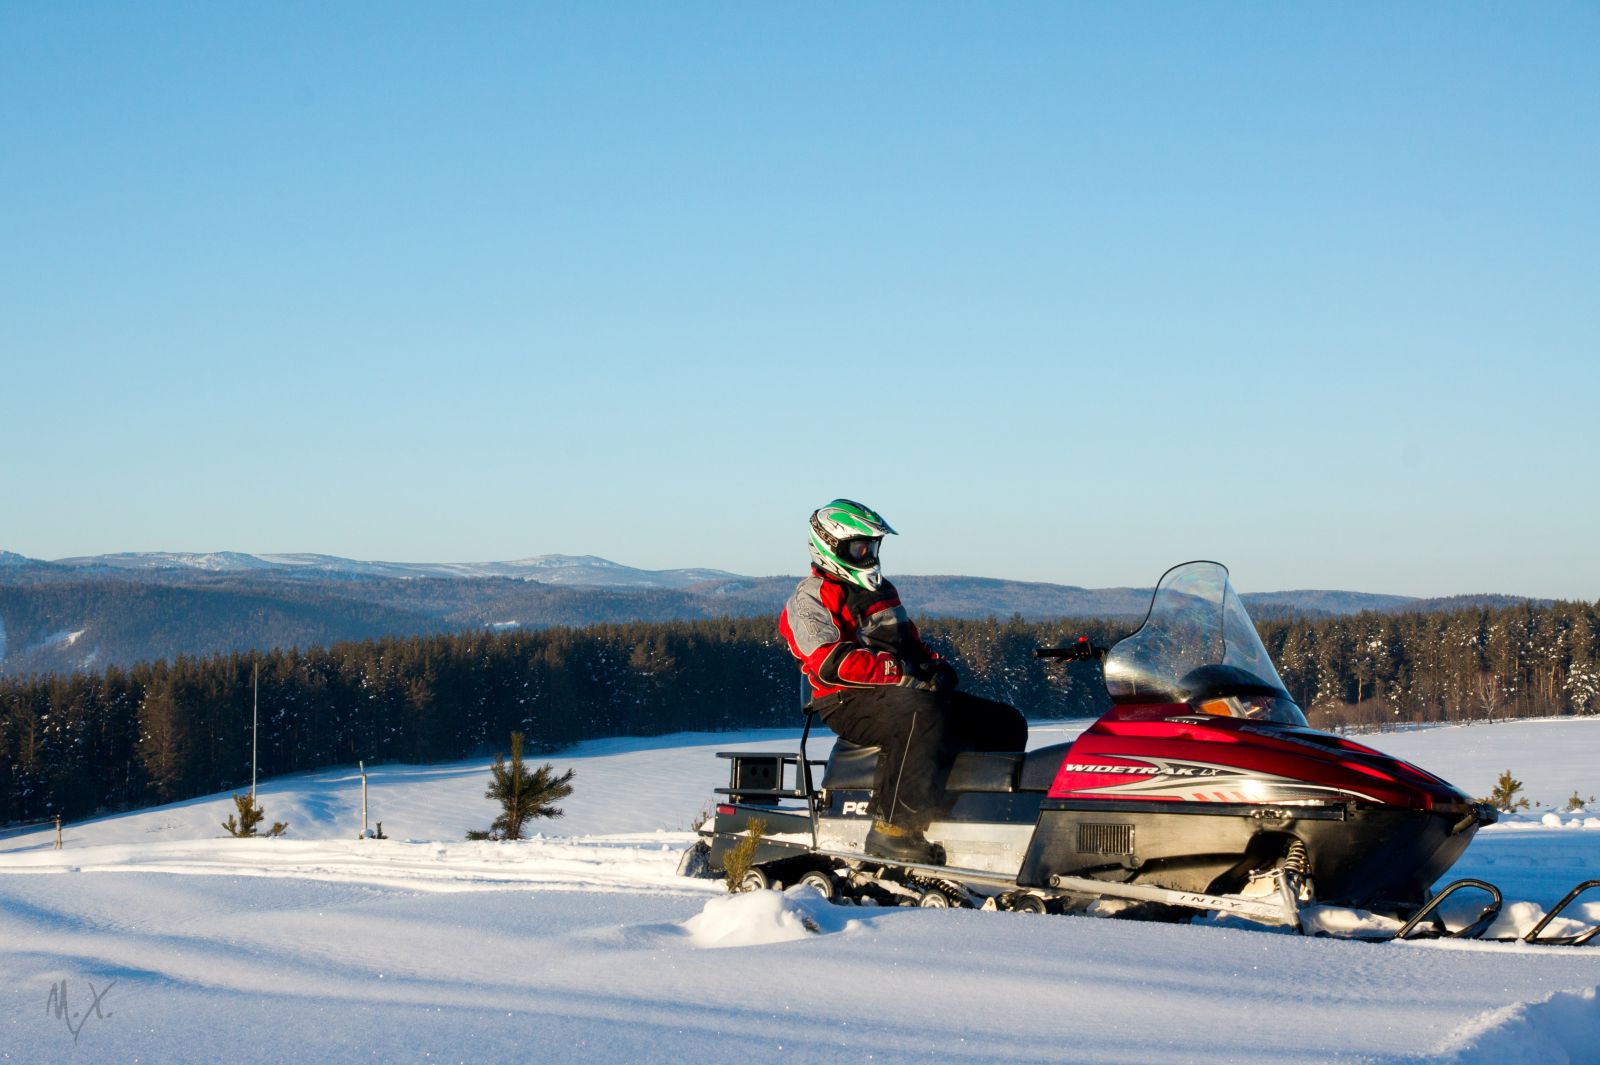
[{"x": 78, "y": 744}]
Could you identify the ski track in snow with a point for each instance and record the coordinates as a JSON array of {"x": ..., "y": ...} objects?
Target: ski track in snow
[{"x": 585, "y": 946}]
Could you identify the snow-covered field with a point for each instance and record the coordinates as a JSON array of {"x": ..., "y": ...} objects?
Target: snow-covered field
[{"x": 584, "y": 946}]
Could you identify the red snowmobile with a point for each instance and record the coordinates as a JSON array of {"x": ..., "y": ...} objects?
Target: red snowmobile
[{"x": 1201, "y": 789}]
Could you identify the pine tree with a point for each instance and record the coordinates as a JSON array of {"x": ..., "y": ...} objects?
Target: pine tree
[
  {"x": 1504, "y": 797},
  {"x": 739, "y": 858},
  {"x": 249, "y": 816},
  {"x": 522, "y": 795}
]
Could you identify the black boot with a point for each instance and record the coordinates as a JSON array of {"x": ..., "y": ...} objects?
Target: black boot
[{"x": 902, "y": 844}]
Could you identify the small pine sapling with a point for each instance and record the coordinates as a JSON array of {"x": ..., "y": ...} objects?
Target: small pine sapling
[
  {"x": 522, "y": 795},
  {"x": 1504, "y": 797},
  {"x": 249, "y": 814},
  {"x": 738, "y": 859}
]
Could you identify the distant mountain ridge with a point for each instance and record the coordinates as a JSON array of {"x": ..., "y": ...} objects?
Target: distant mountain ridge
[
  {"x": 580, "y": 570},
  {"x": 95, "y": 611}
]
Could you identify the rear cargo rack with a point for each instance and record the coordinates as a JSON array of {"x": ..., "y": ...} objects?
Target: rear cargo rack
[{"x": 762, "y": 778}]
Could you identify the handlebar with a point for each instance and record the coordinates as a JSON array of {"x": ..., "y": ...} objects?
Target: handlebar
[{"x": 1081, "y": 650}]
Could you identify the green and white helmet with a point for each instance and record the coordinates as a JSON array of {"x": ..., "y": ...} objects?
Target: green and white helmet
[{"x": 844, "y": 542}]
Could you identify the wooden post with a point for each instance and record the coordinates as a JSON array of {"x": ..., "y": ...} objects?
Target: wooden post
[{"x": 58, "y": 832}]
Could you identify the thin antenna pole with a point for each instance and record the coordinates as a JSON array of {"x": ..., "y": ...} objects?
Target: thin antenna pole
[{"x": 255, "y": 718}]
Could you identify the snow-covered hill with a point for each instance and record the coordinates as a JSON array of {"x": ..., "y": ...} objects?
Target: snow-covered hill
[{"x": 583, "y": 945}]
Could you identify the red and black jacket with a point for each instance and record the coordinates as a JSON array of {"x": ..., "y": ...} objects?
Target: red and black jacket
[{"x": 849, "y": 637}]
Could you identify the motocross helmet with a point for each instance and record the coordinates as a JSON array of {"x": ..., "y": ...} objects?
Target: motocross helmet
[{"x": 844, "y": 542}]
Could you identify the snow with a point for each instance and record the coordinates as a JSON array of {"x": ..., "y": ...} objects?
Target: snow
[
  {"x": 63, "y": 638},
  {"x": 1553, "y": 757},
  {"x": 763, "y": 917},
  {"x": 1560, "y": 1028},
  {"x": 583, "y": 944}
]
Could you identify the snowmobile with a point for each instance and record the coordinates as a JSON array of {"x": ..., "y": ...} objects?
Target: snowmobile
[{"x": 1202, "y": 789}]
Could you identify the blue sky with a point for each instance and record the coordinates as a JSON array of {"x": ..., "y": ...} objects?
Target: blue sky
[{"x": 1070, "y": 292}]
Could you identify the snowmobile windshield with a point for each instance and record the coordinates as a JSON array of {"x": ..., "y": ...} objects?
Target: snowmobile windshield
[{"x": 1198, "y": 645}]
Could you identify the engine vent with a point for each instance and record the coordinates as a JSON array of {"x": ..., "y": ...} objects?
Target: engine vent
[{"x": 1105, "y": 839}]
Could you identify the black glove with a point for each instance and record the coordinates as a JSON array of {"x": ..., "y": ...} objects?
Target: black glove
[
  {"x": 944, "y": 675},
  {"x": 919, "y": 675}
]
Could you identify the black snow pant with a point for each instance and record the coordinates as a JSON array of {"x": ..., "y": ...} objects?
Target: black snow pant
[{"x": 920, "y": 732}]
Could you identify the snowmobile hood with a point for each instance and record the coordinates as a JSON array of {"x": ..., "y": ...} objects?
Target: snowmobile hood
[{"x": 1168, "y": 753}]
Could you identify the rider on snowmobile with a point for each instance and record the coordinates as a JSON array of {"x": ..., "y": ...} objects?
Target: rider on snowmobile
[{"x": 876, "y": 684}]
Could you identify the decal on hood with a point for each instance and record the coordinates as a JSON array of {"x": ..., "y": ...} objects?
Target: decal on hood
[{"x": 1169, "y": 778}]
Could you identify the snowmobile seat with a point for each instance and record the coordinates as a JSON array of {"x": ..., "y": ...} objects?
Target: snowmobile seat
[
  {"x": 1039, "y": 767},
  {"x": 852, "y": 768},
  {"x": 985, "y": 771}
]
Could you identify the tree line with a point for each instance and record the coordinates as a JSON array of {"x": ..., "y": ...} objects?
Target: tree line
[
  {"x": 1466, "y": 665},
  {"x": 78, "y": 744}
]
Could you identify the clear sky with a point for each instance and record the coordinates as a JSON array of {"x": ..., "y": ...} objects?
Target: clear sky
[{"x": 1069, "y": 292}]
